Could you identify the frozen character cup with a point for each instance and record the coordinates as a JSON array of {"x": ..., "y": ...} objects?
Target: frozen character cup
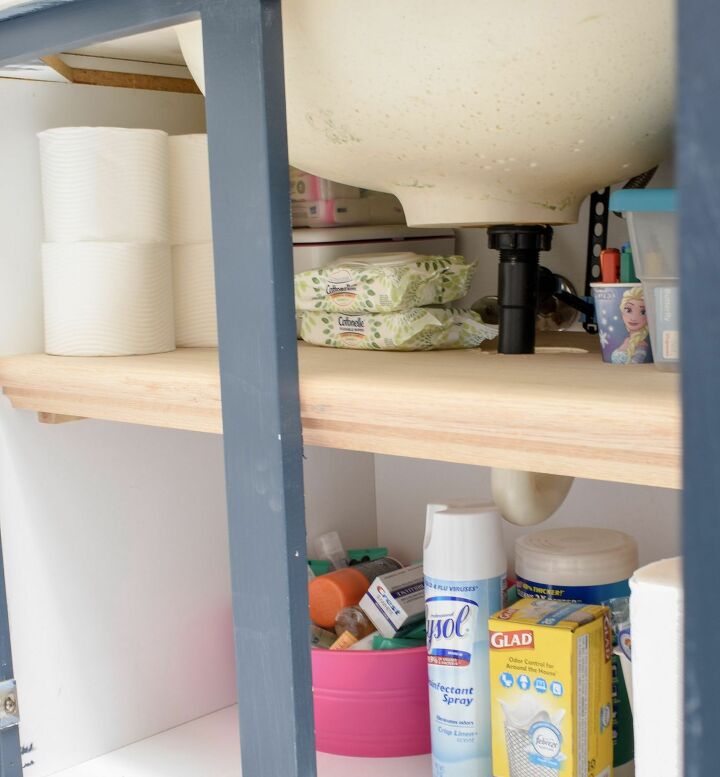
[
  {"x": 622, "y": 321},
  {"x": 635, "y": 349}
]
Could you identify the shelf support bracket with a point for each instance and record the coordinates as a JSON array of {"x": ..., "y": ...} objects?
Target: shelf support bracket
[{"x": 57, "y": 418}]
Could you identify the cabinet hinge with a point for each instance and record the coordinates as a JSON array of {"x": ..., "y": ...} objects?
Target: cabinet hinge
[{"x": 9, "y": 711}]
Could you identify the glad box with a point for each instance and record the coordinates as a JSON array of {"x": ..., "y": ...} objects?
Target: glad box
[{"x": 551, "y": 690}]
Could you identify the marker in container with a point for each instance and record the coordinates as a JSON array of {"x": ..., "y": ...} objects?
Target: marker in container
[
  {"x": 610, "y": 265},
  {"x": 627, "y": 266}
]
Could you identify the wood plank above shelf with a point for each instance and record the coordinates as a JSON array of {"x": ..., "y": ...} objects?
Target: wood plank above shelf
[{"x": 559, "y": 411}]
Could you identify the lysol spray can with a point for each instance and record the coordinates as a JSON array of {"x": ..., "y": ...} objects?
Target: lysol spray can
[{"x": 465, "y": 579}]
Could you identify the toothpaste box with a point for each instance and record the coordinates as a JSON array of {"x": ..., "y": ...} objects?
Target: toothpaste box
[
  {"x": 395, "y": 600},
  {"x": 551, "y": 690}
]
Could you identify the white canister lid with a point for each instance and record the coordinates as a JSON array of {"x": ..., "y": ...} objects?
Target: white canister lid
[
  {"x": 576, "y": 556},
  {"x": 464, "y": 542}
]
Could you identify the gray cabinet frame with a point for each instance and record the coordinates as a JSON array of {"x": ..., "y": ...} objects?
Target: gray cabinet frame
[
  {"x": 698, "y": 163},
  {"x": 258, "y": 361},
  {"x": 258, "y": 356}
]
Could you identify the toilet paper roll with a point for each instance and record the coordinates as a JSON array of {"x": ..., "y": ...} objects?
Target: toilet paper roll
[
  {"x": 189, "y": 190},
  {"x": 105, "y": 184},
  {"x": 194, "y": 296},
  {"x": 656, "y": 616},
  {"x": 107, "y": 299}
]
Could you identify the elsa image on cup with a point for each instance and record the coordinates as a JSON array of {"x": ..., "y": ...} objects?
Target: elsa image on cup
[{"x": 635, "y": 349}]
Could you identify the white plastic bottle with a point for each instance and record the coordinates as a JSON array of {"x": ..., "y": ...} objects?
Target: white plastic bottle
[{"x": 465, "y": 579}]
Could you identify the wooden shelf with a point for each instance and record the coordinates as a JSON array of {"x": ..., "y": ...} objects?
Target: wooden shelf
[
  {"x": 559, "y": 411},
  {"x": 210, "y": 747},
  {"x": 149, "y": 60}
]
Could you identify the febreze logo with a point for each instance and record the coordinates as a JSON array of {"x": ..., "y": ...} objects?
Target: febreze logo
[{"x": 512, "y": 640}]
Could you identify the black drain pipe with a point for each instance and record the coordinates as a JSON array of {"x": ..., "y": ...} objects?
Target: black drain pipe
[{"x": 519, "y": 248}]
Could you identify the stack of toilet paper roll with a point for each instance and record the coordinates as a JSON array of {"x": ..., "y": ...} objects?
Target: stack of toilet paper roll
[
  {"x": 656, "y": 619},
  {"x": 107, "y": 272},
  {"x": 191, "y": 239}
]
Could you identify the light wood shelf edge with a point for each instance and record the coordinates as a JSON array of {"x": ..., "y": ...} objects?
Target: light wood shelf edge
[
  {"x": 57, "y": 418},
  {"x": 557, "y": 413}
]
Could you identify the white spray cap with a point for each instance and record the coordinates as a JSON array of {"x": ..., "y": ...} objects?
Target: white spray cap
[
  {"x": 430, "y": 511},
  {"x": 446, "y": 504},
  {"x": 464, "y": 543}
]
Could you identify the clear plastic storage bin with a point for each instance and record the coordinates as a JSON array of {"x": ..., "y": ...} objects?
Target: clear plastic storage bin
[{"x": 652, "y": 222}]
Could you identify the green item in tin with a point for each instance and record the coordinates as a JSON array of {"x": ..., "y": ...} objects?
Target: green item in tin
[
  {"x": 624, "y": 743},
  {"x": 383, "y": 283},
  {"x": 419, "y": 329},
  {"x": 359, "y": 555},
  {"x": 385, "y": 643},
  {"x": 415, "y": 631},
  {"x": 320, "y": 566}
]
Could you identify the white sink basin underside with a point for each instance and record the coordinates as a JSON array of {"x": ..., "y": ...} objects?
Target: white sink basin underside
[
  {"x": 471, "y": 112},
  {"x": 480, "y": 111}
]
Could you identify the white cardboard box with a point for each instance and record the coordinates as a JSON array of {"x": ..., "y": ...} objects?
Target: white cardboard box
[{"x": 395, "y": 600}]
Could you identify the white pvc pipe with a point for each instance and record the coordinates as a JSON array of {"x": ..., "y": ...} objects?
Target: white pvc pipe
[{"x": 527, "y": 498}]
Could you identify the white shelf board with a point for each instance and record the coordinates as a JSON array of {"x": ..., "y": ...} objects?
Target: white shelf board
[{"x": 209, "y": 747}]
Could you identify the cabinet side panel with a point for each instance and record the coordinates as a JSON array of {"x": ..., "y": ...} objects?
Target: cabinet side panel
[{"x": 114, "y": 536}]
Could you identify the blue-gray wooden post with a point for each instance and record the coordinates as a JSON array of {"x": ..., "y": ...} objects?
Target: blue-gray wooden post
[
  {"x": 698, "y": 145},
  {"x": 10, "y": 760},
  {"x": 258, "y": 358}
]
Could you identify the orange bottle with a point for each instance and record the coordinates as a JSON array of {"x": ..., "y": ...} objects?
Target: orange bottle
[{"x": 328, "y": 594}]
